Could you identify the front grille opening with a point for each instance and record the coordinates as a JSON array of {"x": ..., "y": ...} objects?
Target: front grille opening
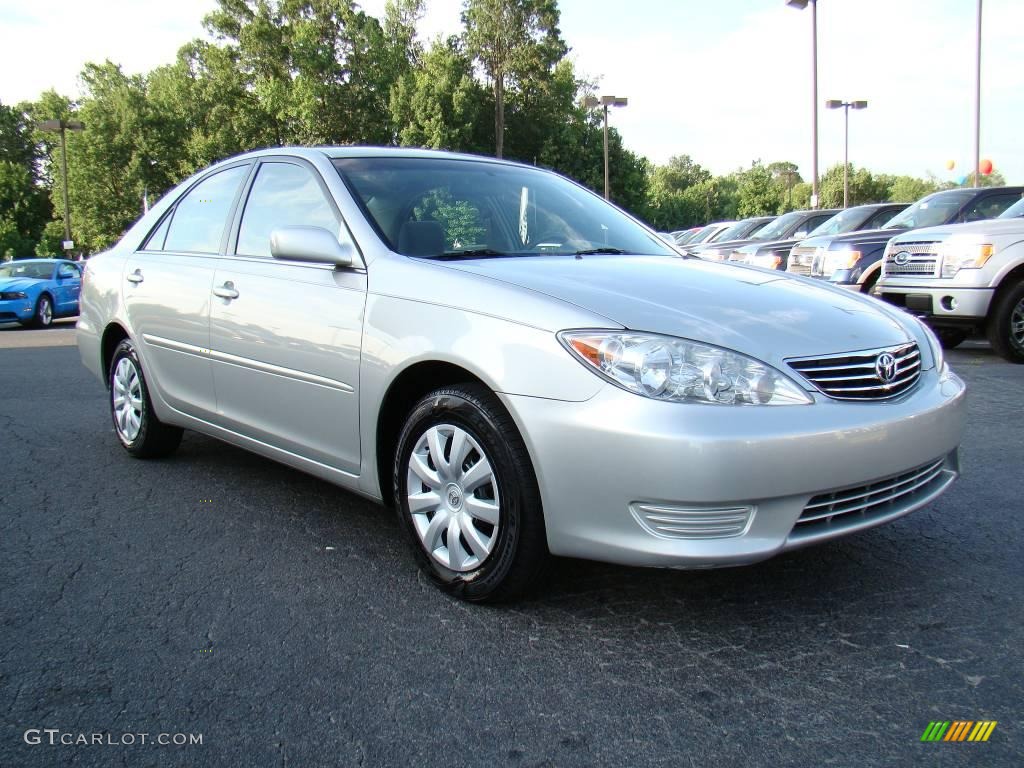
[
  {"x": 863, "y": 375},
  {"x": 837, "y": 510}
]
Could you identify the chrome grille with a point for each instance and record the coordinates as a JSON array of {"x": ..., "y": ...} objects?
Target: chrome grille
[
  {"x": 924, "y": 259},
  {"x": 855, "y": 375},
  {"x": 862, "y": 505},
  {"x": 800, "y": 260},
  {"x": 692, "y": 522}
]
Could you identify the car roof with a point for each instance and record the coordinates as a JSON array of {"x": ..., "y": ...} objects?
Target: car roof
[{"x": 337, "y": 153}]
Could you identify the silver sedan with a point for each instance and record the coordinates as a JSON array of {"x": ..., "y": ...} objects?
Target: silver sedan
[{"x": 514, "y": 365}]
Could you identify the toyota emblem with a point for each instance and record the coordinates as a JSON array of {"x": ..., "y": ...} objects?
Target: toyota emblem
[
  {"x": 885, "y": 368},
  {"x": 901, "y": 258}
]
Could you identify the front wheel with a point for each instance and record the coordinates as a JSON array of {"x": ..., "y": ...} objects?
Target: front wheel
[
  {"x": 467, "y": 496},
  {"x": 1006, "y": 325},
  {"x": 141, "y": 433},
  {"x": 43, "y": 317}
]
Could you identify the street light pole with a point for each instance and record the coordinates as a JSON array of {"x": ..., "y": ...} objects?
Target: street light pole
[
  {"x": 800, "y": 5},
  {"x": 605, "y": 101},
  {"x": 977, "y": 104},
  {"x": 846, "y": 106},
  {"x": 62, "y": 126}
]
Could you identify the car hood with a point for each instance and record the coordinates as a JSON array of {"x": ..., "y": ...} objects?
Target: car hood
[
  {"x": 1007, "y": 227},
  {"x": 768, "y": 315},
  {"x": 18, "y": 283}
]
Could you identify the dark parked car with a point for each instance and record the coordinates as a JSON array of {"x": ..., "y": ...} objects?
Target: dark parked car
[
  {"x": 34, "y": 291},
  {"x": 789, "y": 227},
  {"x": 855, "y": 260},
  {"x": 741, "y": 230}
]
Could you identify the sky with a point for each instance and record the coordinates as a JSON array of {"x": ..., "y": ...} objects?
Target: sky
[{"x": 727, "y": 82}]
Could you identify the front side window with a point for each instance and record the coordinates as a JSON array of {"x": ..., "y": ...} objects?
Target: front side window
[
  {"x": 282, "y": 195},
  {"x": 67, "y": 270},
  {"x": 440, "y": 208},
  {"x": 989, "y": 207},
  {"x": 200, "y": 217}
]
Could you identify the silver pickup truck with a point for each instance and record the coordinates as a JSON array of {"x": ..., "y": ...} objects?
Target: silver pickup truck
[{"x": 961, "y": 278}]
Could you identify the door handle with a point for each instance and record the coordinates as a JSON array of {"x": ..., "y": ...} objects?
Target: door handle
[
  {"x": 226, "y": 291},
  {"x": 135, "y": 277}
]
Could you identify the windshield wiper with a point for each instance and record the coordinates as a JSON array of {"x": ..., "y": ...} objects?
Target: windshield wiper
[
  {"x": 590, "y": 251},
  {"x": 473, "y": 253}
]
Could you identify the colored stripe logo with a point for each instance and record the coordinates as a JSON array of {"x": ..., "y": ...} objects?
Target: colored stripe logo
[{"x": 959, "y": 730}]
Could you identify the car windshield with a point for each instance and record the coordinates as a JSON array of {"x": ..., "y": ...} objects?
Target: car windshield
[
  {"x": 703, "y": 234},
  {"x": 781, "y": 227},
  {"x": 442, "y": 208},
  {"x": 738, "y": 231},
  {"x": 845, "y": 221},
  {"x": 33, "y": 270},
  {"x": 930, "y": 211},
  {"x": 1015, "y": 211}
]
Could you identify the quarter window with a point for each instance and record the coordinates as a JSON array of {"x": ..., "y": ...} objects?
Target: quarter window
[
  {"x": 201, "y": 215},
  {"x": 282, "y": 195}
]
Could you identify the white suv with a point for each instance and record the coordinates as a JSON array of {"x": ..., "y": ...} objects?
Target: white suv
[{"x": 963, "y": 277}]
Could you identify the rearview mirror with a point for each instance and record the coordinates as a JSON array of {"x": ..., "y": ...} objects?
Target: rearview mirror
[{"x": 310, "y": 244}]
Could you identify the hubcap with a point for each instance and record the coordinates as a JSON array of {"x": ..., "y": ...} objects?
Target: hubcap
[
  {"x": 1017, "y": 325},
  {"x": 453, "y": 497},
  {"x": 45, "y": 311},
  {"x": 127, "y": 400}
]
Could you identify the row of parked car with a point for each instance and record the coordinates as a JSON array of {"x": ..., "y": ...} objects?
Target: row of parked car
[{"x": 954, "y": 258}]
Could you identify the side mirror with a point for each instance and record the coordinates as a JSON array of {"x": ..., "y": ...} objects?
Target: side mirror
[{"x": 314, "y": 245}]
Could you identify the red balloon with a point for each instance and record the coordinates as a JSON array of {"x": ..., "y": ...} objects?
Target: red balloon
[{"x": 985, "y": 166}]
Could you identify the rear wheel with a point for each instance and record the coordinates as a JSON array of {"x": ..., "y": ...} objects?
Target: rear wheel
[
  {"x": 467, "y": 497},
  {"x": 141, "y": 433},
  {"x": 1006, "y": 324}
]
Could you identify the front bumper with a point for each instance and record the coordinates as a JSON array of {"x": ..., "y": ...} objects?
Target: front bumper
[
  {"x": 938, "y": 304},
  {"x": 609, "y": 466},
  {"x": 16, "y": 310}
]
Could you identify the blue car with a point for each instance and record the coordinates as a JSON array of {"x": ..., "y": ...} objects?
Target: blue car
[{"x": 34, "y": 291}]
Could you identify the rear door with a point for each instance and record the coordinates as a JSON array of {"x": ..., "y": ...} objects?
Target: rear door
[
  {"x": 167, "y": 291},
  {"x": 285, "y": 337}
]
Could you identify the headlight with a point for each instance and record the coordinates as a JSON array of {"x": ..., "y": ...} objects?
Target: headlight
[
  {"x": 681, "y": 371},
  {"x": 13, "y": 295},
  {"x": 844, "y": 259},
  {"x": 766, "y": 260},
  {"x": 961, "y": 254}
]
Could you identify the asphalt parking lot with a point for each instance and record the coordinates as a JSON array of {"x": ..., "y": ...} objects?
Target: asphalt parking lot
[{"x": 220, "y": 594}]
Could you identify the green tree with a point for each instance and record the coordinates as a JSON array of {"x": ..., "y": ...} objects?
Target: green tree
[
  {"x": 907, "y": 189},
  {"x": 757, "y": 193},
  {"x": 516, "y": 42},
  {"x": 864, "y": 187},
  {"x": 24, "y": 202}
]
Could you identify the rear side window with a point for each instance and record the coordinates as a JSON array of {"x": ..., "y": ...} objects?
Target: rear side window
[
  {"x": 282, "y": 195},
  {"x": 200, "y": 217}
]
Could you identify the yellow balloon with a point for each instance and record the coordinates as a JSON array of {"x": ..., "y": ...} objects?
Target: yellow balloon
[{"x": 950, "y": 165}]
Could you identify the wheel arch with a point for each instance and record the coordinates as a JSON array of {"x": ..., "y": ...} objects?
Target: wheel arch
[
  {"x": 411, "y": 384},
  {"x": 113, "y": 335},
  {"x": 1008, "y": 281}
]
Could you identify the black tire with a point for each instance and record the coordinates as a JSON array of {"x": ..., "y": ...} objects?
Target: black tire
[
  {"x": 519, "y": 551},
  {"x": 153, "y": 439},
  {"x": 1006, "y": 315},
  {"x": 951, "y": 338},
  {"x": 43, "y": 317}
]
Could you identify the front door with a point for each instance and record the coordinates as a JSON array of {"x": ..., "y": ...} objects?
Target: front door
[{"x": 285, "y": 336}]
